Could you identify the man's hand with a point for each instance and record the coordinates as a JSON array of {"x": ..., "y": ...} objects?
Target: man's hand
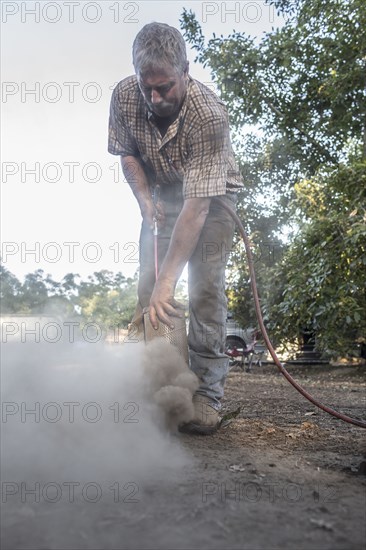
[
  {"x": 151, "y": 211},
  {"x": 163, "y": 305},
  {"x": 136, "y": 178}
]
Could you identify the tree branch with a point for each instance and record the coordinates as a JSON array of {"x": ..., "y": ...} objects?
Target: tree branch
[{"x": 313, "y": 141}]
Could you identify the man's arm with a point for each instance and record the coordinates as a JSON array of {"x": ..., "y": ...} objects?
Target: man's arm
[
  {"x": 137, "y": 180},
  {"x": 183, "y": 242}
]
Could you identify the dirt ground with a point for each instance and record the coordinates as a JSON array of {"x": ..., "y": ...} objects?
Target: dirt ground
[{"x": 281, "y": 474}]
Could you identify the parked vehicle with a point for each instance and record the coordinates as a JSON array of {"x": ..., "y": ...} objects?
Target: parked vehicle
[
  {"x": 236, "y": 336},
  {"x": 243, "y": 346}
]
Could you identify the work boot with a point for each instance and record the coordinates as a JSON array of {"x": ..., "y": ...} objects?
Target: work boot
[{"x": 206, "y": 418}]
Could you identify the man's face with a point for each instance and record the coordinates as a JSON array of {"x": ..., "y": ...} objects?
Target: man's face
[{"x": 163, "y": 90}]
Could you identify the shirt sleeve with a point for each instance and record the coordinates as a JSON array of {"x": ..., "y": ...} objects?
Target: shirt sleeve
[
  {"x": 120, "y": 140},
  {"x": 206, "y": 170}
]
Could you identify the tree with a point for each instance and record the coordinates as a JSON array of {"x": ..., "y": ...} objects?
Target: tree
[
  {"x": 9, "y": 291},
  {"x": 297, "y": 102},
  {"x": 322, "y": 276},
  {"x": 302, "y": 84},
  {"x": 107, "y": 299}
]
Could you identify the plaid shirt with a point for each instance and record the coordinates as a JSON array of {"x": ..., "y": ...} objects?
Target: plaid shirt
[{"x": 196, "y": 149}]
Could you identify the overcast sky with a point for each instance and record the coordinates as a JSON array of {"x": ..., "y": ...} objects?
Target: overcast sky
[{"x": 65, "y": 204}]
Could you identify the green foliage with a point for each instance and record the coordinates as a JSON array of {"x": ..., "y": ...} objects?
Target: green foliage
[
  {"x": 9, "y": 291},
  {"x": 38, "y": 294},
  {"x": 303, "y": 84},
  {"x": 297, "y": 105},
  {"x": 105, "y": 298},
  {"x": 322, "y": 276}
]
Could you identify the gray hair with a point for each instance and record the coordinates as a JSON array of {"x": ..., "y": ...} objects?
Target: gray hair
[{"x": 157, "y": 46}]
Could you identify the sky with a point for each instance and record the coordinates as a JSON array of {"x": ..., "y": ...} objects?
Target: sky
[{"x": 65, "y": 204}]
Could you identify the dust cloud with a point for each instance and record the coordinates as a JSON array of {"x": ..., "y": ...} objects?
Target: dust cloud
[{"x": 91, "y": 413}]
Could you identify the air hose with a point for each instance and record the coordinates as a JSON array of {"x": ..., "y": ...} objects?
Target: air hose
[{"x": 277, "y": 362}]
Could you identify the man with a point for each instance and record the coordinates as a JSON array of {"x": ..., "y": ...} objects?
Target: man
[{"x": 170, "y": 130}]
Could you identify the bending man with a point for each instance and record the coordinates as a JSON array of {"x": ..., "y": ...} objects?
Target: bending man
[{"x": 171, "y": 130}]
